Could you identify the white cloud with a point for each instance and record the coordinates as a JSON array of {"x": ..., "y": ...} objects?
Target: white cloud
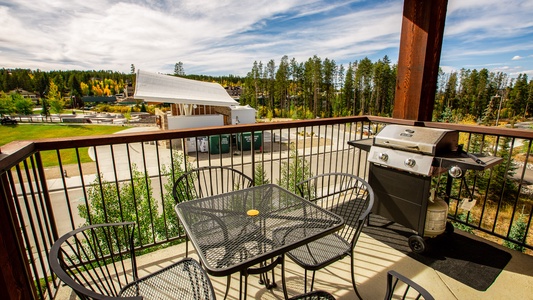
[
  {"x": 448, "y": 69},
  {"x": 223, "y": 37},
  {"x": 517, "y": 57},
  {"x": 474, "y": 20}
]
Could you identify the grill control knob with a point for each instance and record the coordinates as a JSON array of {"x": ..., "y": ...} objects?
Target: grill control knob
[
  {"x": 383, "y": 156},
  {"x": 455, "y": 171},
  {"x": 410, "y": 162}
]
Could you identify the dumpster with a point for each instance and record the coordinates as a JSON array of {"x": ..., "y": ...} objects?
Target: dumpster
[
  {"x": 219, "y": 143},
  {"x": 244, "y": 140}
]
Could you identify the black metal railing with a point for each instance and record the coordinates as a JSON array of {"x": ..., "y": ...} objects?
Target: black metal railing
[{"x": 55, "y": 186}]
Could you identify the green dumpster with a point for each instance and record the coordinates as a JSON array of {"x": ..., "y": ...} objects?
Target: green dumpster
[
  {"x": 244, "y": 141},
  {"x": 219, "y": 143}
]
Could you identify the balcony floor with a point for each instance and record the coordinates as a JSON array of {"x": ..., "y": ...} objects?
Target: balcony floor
[{"x": 373, "y": 260}]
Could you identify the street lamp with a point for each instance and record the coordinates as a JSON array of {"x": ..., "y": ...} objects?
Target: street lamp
[{"x": 499, "y": 107}]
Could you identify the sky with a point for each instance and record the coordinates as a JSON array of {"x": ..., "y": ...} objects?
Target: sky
[{"x": 223, "y": 37}]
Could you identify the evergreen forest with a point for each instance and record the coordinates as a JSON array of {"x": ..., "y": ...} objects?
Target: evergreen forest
[{"x": 302, "y": 90}]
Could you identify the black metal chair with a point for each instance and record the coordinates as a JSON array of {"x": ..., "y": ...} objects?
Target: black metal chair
[
  {"x": 315, "y": 295},
  {"x": 208, "y": 181},
  {"x": 346, "y": 195},
  {"x": 98, "y": 262},
  {"x": 408, "y": 290}
]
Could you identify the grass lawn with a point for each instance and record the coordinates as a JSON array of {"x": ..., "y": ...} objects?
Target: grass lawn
[{"x": 43, "y": 131}]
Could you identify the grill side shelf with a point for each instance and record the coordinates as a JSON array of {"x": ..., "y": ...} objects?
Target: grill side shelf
[
  {"x": 465, "y": 162},
  {"x": 364, "y": 144}
]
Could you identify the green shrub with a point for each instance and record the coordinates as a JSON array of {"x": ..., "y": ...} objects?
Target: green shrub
[
  {"x": 294, "y": 171},
  {"x": 463, "y": 217},
  {"x": 260, "y": 175},
  {"x": 517, "y": 233},
  {"x": 132, "y": 200}
]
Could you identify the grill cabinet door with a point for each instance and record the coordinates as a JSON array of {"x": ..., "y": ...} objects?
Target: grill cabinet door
[{"x": 400, "y": 196}]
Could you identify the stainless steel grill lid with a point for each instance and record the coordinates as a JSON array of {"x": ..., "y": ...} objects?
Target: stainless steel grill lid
[
  {"x": 430, "y": 141},
  {"x": 411, "y": 148}
]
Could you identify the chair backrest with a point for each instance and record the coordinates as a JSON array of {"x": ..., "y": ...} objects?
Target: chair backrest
[
  {"x": 209, "y": 181},
  {"x": 96, "y": 261},
  {"x": 347, "y": 195},
  {"x": 404, "y": 288},
  {"x": 314, "y": 295}
]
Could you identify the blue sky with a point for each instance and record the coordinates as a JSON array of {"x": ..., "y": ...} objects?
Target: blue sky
[{"x": 226, "y": 36}]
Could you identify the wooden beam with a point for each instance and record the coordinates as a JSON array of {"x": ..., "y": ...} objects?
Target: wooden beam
[
  {"x": 15, "y": 277},
  {"x": 419, "y": 58}
]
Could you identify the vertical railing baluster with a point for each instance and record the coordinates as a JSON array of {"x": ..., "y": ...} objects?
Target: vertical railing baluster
[
  {"x": 23, "y": 221},
  {"x": 62, "y": 173},
  {"x": 147, "y": 182},
  {"x": 160, "y": 179}
]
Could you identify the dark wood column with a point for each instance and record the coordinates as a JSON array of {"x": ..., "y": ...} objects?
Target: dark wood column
[
  {"x": 419, "y": 58},
  {"x": 15, "y": 278}
]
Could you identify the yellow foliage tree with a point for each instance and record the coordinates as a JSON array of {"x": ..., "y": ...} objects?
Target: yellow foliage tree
[{"x": 84, "y": 88}]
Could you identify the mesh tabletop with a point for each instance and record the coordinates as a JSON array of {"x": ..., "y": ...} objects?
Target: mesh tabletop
[{"x": 234, "y": 231}]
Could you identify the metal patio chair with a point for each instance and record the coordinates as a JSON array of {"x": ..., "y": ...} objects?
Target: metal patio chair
[
  {"x": 208, "y": 181},
  {"x": 98, "y": 262},
  {"x": 408, "y": 290},
  {"x": 346, "y": 195},
  {"x": 315, "y": 295}
]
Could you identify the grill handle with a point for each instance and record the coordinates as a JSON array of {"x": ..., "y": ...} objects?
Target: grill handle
[{"x": 472, "y": 156}]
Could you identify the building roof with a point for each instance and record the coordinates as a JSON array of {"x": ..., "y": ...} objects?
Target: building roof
[{"x": 153, "y": 87}]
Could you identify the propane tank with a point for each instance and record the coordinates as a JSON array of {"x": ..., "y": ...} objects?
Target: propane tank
[{"x": 436, "y": 216}]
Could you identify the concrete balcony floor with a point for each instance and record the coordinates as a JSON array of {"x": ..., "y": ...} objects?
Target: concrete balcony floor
[{"x": 373, "y": 260}]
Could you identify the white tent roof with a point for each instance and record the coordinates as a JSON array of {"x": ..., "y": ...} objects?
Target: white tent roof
[{"x": 153, "y": 87}]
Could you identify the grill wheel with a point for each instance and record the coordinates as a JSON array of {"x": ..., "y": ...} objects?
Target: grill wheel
[{"x": 417, "y": 244}]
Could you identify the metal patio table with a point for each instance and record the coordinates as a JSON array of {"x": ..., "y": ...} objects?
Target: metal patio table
[{"x": 240, "y": 231}]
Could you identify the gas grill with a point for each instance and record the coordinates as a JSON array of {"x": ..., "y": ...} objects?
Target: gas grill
[
  {"x": 403, "y": 160},
  {"x": 412, "y": 149}
]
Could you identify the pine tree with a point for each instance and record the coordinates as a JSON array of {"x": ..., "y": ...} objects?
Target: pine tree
[
  {"x": 348, "y": 91},
  {"x": 178, "y": 69},
  {"x": 294, "y": 171}
]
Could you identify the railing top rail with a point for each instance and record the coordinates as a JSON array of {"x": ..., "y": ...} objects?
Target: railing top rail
[
  {"x": 14, "y": 152},
  {"x": 111, "y": 139},
  {"x": 499, "y": 131}
]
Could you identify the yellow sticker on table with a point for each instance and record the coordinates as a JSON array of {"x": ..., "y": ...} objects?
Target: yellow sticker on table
[{"x": 252, "y": 212}]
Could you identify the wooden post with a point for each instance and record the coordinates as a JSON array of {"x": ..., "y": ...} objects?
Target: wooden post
[
  {"x": 419, "y": 58},
  {"x": 15, "y": 278}
]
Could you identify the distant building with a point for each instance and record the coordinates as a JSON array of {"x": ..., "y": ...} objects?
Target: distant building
[
  {"x": 25, "y": 94},
  {"x": 98, "y": 99},
  {"x": 234, "y": 91}
]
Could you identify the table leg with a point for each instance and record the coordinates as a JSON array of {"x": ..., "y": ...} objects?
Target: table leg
[
  {"x": 245, "y": 275},
  {"x": 283, "y": 284},
  {"x": 228, "y": 282}
]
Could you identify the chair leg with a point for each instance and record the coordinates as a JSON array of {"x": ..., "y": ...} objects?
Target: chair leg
[
  {"x": 264, "y": 277},
  {"x": 186, "y": 246},
  {"x": 353, "y": 278}
]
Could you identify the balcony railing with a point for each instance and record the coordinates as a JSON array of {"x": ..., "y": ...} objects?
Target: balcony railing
[{"x": 54, "y": 186}]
